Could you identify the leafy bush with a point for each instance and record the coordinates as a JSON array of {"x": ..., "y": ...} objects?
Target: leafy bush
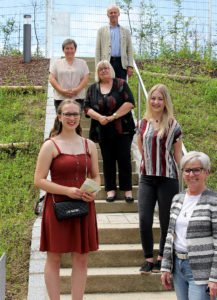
[{"x": 210, "y": 91}]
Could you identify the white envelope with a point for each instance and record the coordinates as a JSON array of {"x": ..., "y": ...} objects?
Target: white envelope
[{"x": 90, "y": 186}]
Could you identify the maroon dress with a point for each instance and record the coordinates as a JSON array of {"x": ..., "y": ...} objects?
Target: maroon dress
[{"x": 76, "y": 234}]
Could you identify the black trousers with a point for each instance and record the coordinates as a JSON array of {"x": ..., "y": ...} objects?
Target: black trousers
[
  {"x": 117, "y": 149},
  {"x": 117, "y": 66},
  {"x": 154, "y": 189}
]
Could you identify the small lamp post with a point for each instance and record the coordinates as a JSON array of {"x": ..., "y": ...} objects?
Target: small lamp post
[{"x": 27, "y": 38}]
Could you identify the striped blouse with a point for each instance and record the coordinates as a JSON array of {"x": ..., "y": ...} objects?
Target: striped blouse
[{"x": 158, "y": 158}]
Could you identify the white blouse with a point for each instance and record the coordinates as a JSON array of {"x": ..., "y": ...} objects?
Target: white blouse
[{"x": 182, "y": 221}]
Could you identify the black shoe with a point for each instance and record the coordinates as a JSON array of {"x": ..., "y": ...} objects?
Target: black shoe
[
  {"x": 157, "y": 266},
  {"x": 146, "y": 267},
  {"x": 129, "y": 199},
  {"x": 110, "y": 198}
]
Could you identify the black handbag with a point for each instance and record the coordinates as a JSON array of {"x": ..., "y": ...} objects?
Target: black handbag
[{"x": 70, "y": 208}]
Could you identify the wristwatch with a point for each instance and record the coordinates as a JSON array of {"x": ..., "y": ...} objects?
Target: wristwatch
[{"x": 115, "y": 115}]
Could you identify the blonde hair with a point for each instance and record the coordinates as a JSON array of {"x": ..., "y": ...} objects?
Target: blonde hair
[
  {"x": 168, "y": 109},
  {"x": 104, "y": 63},
  {"x": 57, "y": 127}
]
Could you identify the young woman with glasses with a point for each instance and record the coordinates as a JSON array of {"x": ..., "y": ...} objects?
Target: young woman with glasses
[{"x": 70, "y": 159}]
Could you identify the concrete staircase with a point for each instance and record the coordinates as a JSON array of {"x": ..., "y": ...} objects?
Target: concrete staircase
[{"x": 113, "y": 271}]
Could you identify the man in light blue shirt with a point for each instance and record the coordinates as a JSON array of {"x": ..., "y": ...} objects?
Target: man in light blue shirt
[{"x": 114, "y": 44}]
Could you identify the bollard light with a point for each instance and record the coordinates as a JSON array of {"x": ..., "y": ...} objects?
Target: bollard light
[
  {"x": 27, "y": 38},
  {"x": 27, "y": 19}
]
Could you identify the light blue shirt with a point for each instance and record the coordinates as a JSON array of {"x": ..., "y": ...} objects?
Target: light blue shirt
[{"x": 115, "y": 41}]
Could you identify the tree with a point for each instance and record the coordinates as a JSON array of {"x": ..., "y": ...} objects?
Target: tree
[
  {"x": 126, "y": 5},
  {"x": 36, "y": 6},
  {"x": 7, "y": 29},
  {"x": 148, "y": 31}
]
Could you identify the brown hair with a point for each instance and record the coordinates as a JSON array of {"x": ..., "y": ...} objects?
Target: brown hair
[
  {"x": 57, "y": 127},
  {"x": 68, "y": 42}
]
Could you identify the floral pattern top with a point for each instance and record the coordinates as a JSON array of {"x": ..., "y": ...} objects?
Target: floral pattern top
[{"x": 107, "y": 104}]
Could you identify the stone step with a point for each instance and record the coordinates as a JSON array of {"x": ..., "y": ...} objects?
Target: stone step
[
  {"x": 114, "y": 280},
  {"x": 91, "y": 63},
  {"x": 101, "y": 195},
  {"x": 164, "y": 295},
  {"x": 122, "y": 228},
  {"x": 113, "y": 255},
  {"x": 85, "y": 122},
  {"x": 118, "y": 206}
]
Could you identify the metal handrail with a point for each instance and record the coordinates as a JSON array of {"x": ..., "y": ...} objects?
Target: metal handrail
[{"x": 141, "y": 88}]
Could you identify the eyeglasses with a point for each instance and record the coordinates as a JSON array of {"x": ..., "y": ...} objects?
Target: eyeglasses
[
  {"x": 103, "y": 68},
  {"x": 195, "y": 171},
  {"x": 68, "y": 115}
]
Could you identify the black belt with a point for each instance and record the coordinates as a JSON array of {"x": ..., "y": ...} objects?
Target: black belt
[{"x": 115, "y": 57}]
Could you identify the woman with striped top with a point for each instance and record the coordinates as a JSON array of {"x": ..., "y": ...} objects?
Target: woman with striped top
[
  {"x": 159, "y": 142},
  {"x": 190, "y": 252}
]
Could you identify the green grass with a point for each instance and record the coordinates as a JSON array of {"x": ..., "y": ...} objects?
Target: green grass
[{"x": 22, "y": 121}]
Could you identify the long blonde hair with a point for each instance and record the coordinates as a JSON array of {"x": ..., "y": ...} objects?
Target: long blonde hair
[
  {"x": 57, "y": 127},
  {"x": 168, "y": 109}
]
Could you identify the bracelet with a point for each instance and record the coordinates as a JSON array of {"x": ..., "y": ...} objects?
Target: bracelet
[{"x": 115, "y": 115}]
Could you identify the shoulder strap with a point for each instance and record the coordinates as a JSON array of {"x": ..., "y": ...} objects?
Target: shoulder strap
[
  {"x": 86, "y": 147},
  {"x": 86, "y": 153},
  {"x": 58, "y": 149}
]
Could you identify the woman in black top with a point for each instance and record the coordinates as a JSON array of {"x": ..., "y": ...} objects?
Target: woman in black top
[{"x": 109, "y": 102}]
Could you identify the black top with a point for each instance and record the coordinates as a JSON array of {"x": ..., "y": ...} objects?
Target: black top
[{"x": 106, "y": 105}]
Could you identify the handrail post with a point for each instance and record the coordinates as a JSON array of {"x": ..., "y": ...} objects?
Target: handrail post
[
  {"x": 2, "y": 276},
  {"x": 139, "y": 102}
]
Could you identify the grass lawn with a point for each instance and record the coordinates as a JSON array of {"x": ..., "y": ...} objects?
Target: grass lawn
[{"x": 22, "y": 120}]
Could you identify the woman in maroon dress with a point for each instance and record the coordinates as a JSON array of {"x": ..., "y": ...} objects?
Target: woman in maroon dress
[{"x": 70, "y": 159}]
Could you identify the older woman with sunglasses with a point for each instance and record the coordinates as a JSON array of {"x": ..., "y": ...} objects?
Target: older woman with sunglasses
[{"x": 190, "y": 252}]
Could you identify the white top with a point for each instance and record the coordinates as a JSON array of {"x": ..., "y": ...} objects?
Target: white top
[
  {"x": 182, "y": 221},
  {"x": 69, "y": 75}
]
